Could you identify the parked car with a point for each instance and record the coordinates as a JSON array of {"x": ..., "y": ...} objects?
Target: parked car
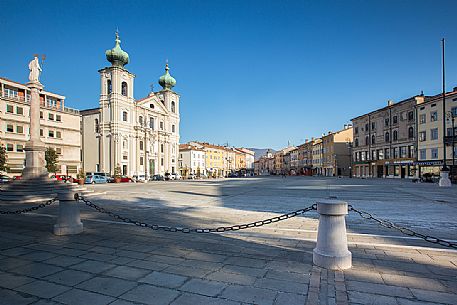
[
  {"x": 168, "y": 176},
  {"x": 191, "y": 176},
  {"x": 139, "y": 178},
  {"x": 157, "y": 178},
  {"x": 17, "y": 177},
  {"x": 177, "y": 176},
  {"x": 126, "y": 179},
  {"x": 92, "y": 179},
  {"x": 4, "y": 179}
]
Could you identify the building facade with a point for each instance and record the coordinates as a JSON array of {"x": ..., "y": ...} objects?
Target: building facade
[
  {"x": 59, "y": 127},
  {"x": 385, "y": 141},
  {"x": 430, "y": 134},
  {"x": 336, "y": 158},
  {"x": 140, "y": 137},
  {"x": 316, "y": 159},
  {"x": 191, "y": 161}
]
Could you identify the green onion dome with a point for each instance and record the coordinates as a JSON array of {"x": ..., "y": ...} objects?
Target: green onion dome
[
  {"x": 167, "y": 81},
  {"x": 116, "y": 56}
]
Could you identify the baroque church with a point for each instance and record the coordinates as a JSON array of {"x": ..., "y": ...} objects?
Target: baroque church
[{"x": 138, "y": 137}]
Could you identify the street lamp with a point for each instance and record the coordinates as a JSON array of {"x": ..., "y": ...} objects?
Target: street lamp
[{"x": 349, "y": 146}]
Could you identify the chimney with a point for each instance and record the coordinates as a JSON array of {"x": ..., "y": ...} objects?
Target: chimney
[
  {"x": 390, "y": 103},
  {"x": 345, "y": 126}
]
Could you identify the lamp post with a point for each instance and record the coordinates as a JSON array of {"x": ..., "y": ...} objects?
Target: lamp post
[
  {"x": 444, "y": 175},
  {"x": 349, "y": 145}
]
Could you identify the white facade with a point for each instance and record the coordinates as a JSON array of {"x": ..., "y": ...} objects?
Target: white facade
[
  {"x": 191, "y": 160},
  {"x": 59, "y": 127},
  {"x": 139, "y": 136}
]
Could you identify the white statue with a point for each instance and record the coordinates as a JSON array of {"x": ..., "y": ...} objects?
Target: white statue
[{"x": 35, "y": 69}]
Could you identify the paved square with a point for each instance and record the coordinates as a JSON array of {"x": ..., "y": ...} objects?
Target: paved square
[{"x": 119, "y": 263}]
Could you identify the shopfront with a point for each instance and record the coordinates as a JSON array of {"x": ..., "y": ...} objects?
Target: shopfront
[
  {"x": 429, "y": 167},
  {"x": 400, "y": 169}
]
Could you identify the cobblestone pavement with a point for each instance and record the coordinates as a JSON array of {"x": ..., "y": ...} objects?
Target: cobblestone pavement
[{"x": 117, "y": 263}]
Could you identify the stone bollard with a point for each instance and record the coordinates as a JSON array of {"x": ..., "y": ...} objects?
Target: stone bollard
[
  {"x": 69, "y": 221},
  {"x": 331, "y": 251}
]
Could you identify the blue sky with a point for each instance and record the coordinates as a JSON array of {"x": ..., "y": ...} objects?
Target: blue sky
[{"x": 250, "y": 73}]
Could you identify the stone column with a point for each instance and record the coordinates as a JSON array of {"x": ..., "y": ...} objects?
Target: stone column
[
  {"x": 34, "y": 148},
  {"x": 331, "y": 251}
]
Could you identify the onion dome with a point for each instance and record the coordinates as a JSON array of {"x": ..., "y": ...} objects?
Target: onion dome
[
  {"x": 167, "y": 81},
  {"x": 116, "y": 56}
]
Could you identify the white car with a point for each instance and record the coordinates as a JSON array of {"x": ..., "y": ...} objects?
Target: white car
[{"x": 139, "y": 178}]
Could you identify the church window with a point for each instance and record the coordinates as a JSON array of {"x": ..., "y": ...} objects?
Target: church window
[
  {"x": 173, "y": 107},
  {"x": 124, "y": 116},
  {"x": 109, "y": 86},
  {"x": 124, "y": 89},
  {"x": 151, "y": 122},
  {"x": 140, "y": 120}
]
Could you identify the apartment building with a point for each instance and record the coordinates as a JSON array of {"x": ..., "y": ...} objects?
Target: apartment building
[
  {"x": 385, "y": 141},
  {"x": 191, "y": 160},
  {"x": 430, "y": 133},
  {"x": 59, "y": 127},
  {"x": 336, "y": 152}
]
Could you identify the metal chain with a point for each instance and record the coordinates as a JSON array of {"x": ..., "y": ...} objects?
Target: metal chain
[
  {"x": 199, "y": 230},
  {"x": 391, "y": 225},
  {"x": 34, "y": 208}
]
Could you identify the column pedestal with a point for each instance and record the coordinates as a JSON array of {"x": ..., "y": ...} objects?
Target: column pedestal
[
  {"x": 444, "y": 179},
  {"x": 331, "y": 251}
]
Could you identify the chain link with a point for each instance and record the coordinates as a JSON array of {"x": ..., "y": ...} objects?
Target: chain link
[
  {"x": 391, "y": 225},
  {"x": 34, "y": 208},
  {"x": 199, "y": 230}
]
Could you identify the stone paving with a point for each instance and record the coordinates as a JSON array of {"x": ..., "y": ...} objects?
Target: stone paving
[{"x": 117, "y": 263}]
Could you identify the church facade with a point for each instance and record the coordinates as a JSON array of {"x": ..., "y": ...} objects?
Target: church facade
[{"x": 136, "y": 137}]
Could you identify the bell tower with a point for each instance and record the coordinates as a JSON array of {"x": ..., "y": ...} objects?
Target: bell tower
[{"x": 116, "y": 106}]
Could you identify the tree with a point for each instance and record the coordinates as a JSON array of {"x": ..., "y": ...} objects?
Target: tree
[
  {"x": 51, "y": 160},
  {"x": 3, "y": 159}
]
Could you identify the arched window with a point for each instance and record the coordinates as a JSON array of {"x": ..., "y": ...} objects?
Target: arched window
[
  {"x": 124, "y": 89},
  {"x": 410, "y": 132},
  {"x": 367, "y": 140},
  {"x": 109, "y": 86},
  {"x": 173, "y": 107},
  {"x": 140, "y": 120},
  {"x": 356, "y": 143},
  {"x": 97, "y": 126},
  {"x": 141, "y": 145},
  {"x": 373, "y": 139},
  {"x": 124, "y": 116},
  {"x": 395, "y": 137},
  {"x": 387, "y": 137}
]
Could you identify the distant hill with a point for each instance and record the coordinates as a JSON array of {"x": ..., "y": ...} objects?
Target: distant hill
[{"x": 259, "y": 152}]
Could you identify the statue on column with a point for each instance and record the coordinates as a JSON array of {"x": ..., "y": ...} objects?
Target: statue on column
[{"x": 35, "y": 69}]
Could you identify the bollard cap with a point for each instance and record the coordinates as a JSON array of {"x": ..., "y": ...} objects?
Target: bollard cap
[{"x": 332, "y": 207}]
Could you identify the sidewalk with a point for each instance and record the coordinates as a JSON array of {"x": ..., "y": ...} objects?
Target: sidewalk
[{"x": 115, "y": 263}]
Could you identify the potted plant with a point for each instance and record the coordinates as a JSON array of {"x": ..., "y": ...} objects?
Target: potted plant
[
  {"x": 81, "y": 176},
  {"x": 117, "y": 174}
]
